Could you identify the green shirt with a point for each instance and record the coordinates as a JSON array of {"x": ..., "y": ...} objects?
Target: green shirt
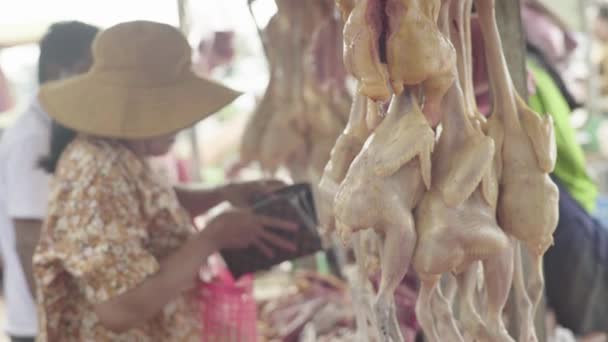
[{"x": 570, "y": 167}]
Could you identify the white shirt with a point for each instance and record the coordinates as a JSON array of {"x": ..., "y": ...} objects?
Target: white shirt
[{"x": 23, "y": 195}]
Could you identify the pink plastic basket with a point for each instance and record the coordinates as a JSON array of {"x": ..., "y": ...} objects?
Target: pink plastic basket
[{"x": 228, "y": 310}]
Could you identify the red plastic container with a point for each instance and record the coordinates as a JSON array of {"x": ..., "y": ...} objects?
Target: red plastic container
[{"x": 228, "y": 309}]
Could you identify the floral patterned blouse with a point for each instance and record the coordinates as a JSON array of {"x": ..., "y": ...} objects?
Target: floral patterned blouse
[{"x": 110, "y": 221}]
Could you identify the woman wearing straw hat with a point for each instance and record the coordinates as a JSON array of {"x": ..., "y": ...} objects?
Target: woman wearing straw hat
[{"x": 118, "y": 254}]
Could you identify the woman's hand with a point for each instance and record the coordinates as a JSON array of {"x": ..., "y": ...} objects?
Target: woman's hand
[
  {"x": 244, "y": 194},
  {"x": 241, "y": 228}
]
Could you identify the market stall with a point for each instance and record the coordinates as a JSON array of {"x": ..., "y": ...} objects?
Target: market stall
[{"x": 425, "y": 189}]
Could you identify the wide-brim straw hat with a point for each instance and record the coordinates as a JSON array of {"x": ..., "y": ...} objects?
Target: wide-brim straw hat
[{"x": 140, "y": 86}]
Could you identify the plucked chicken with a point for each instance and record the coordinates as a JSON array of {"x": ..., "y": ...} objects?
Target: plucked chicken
[
  {"x": 417, "y": 52},
  {"x": 327, "y": 68},
  {"x": 345, "y": 150},
  {"x": 258, "y": 121},
  {"x": 362, "y": 49},
  {"x": 455, "y": 220},
  {"x": 306, "y": 104},
  {"x": 380, "y": 190},
  {"x": 528, "y": 156},
  {"x": 498, "y": 269}
]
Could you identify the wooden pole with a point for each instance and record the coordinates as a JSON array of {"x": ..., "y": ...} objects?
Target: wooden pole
[{"x": 508, "y": 17}]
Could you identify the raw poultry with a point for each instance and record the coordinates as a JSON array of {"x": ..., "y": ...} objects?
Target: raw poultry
[
  {"x": 417, "y": 52},
  {"x": 306, "y": 103},
  {"x": 380, "y": 190},
  {"x": 455, "y": 220},
  {"x": 498, "y": 268},
  {"x": 447, "y": 200},
  {"x": 363, "y": 31},
  {"x": 528, "y": 155},
  {"x": 258, "y": 121},
  {"x": 346, "y": 148}
]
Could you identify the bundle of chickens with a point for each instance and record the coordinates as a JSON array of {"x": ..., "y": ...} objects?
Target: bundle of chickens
[
  {"x": 446, "y": 191},
  {"x": 306, "y": 103}
]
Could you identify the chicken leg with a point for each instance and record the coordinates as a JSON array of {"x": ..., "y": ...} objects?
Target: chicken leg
[
  {"x": 525, "y": 306},
  {"x": 473, "y": 327},
  {"x": 363, "y": 290},
  {"x": 380, "y": 190}
]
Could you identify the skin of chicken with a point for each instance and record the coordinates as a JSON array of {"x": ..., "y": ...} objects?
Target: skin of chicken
[
  {"x": 498, "y": 270},
  {"x": 363, "y": 288},
  {"x": 295, "y": 111},
  {"x": 498, "y": 277},
  {"x": 456, "y": 224},
  {"x": 418, "y": 52},
  {"x": 472, "y": 326},
  {"x": 460, "y": 35},
  {"x": 374, "y": 114},
  {"x": 346, "y": 148},
  {"x": 362, "y": 32},
  {"x": 527, "y": 158},
  {"x": 527, "y": 143},
  {"x": 382, "y": 186},
  {"x": 323, "y": 126},
  {"x": 345, "y": 7},
  {"x": 328, "y": 67},
  {"x": 256, "y": 126},
  {"x": 280, "y": 142}
]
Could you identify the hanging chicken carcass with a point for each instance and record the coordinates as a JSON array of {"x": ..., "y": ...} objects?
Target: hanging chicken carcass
[
  {"x": 528, "y": 156},
  {"x": 307, "y": 102}
]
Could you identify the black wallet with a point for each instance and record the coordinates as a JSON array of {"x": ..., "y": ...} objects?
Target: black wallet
[{"x": 293, "y": 203}]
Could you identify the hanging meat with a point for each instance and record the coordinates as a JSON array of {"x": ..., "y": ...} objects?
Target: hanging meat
[
  {"x": 528, "y": 156},
  {"x": 380, "y": 190},
  {"x": 498, "y": 268},
  {"x": 346, "y": 148},
  {"x": 306, "y": 103},
  {"x": 412, "y": 163},
  {"x": 455, "y": 220},
  {"x": 363, "y": 31},
  {"x": 257, "y": 123},
  {"x": 417, "y": 52}
]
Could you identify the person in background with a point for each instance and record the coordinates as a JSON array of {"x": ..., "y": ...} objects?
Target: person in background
[
  {"x": 118, "y": 258},
  {"x": 600, "y": 32},
  {"x": 576, "y": 266},
  {"x": 64, "y": 51},
  {"x": 214, "y": 52},
  {"x": 549, "y": 44}
]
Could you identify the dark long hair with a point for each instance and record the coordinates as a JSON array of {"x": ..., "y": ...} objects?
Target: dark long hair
[
  {"x": 65, "y": 46},
  {"x": 61, "y": 137}
]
